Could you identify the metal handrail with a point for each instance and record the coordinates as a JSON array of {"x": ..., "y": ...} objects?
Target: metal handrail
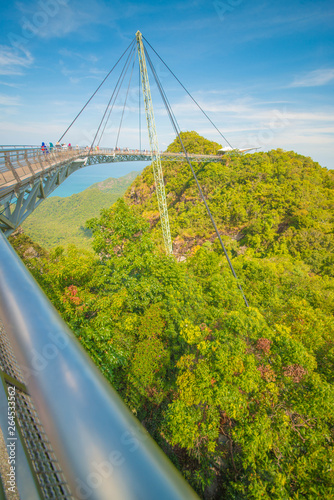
[
  {"x": 103, "y": 450},
  {"x": 17, "y": 146},
  {"x": 19, "y": 157},
  {"x": 14, "y": 159}
]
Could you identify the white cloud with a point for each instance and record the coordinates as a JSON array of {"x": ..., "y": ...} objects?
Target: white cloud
[
  {"x": 9, "y": 100},
  {"x": 314, "y": 78},
  {"x": 29, "y": 131},
  {"x": 76, "y": 55},
  {"x": 12, "y": 61},
  {"x": 13, "y": 85},
  {"x": 249, "y": 122}
]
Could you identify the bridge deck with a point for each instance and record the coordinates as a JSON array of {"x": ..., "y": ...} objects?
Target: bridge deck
[
  {"x": 19, "y": 167},
  {"x": 27, "y": 176}
]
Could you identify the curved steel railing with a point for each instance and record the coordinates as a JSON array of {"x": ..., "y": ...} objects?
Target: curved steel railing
[{"x": 104, "y": 452}]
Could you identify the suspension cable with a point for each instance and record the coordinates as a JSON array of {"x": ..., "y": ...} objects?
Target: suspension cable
[
  {"x": 167, "y": 103},
  {"x": 98, "y": 88},
  {"x": 119, "y": 85},
  {"x": 126, "y": 98},
  {"x": 105, "y": 112},
  {"x": 178, "y": 132},
  {"x": 184, "y": 88},
  {"x": 139, "y": 106}
]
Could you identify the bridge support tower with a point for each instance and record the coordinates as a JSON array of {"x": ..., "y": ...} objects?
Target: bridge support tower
[{"x": 152, "y": 132}]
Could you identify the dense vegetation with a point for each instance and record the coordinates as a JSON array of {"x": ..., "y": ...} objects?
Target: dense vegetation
[
  {"x": 240, "y": 399},
  {"x": 61, "y": 221}
]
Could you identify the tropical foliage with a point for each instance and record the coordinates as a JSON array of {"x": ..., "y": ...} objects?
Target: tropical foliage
[{"x": 241, "y": 399}]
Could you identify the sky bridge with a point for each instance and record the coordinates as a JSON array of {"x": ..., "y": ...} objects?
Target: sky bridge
[{"x": 29, "y": 175}]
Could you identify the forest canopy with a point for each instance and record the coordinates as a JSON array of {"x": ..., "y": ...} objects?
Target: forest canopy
[{"x": 240, "y": 399}]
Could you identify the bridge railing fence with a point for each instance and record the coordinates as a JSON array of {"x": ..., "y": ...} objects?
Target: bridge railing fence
[{"x": 20, "y": 165}]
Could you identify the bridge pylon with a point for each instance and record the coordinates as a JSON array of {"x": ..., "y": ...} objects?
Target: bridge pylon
[{"x": 154, "y": 145}]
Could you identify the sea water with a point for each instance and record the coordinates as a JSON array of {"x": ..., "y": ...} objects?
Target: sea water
[{"x": 85, "y": 177}]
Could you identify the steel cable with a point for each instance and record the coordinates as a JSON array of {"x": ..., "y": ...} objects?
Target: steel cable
[
  {"x": 126, "y": 65},
  {"x": 126, "y": 98},
  {"x": 98, "y": 88},
  {"x": 178, "y": 132},
  {"x": 193, "y": 99}
]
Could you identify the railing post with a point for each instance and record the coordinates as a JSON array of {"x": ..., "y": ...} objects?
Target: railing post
[
  {"x": 10, "y": 167},
  {"x": 28, "y": 162}
]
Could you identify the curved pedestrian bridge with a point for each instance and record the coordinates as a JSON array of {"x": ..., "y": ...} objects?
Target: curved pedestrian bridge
[{"x": 29, "y": 175}]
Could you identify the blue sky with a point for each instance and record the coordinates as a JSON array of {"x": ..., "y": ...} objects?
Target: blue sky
[{"x": 262, "y": 70}]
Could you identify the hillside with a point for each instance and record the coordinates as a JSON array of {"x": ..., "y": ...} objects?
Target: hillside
[
  {"x": 240, "y": 399},
  {"x": 61, "y": 221},
  {"x": 265, "y": 204}
]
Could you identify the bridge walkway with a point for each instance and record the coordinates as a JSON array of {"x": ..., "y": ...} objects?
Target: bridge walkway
[
  {"x": 27, "y": 176},
  {"x": 19, "y": 166}
]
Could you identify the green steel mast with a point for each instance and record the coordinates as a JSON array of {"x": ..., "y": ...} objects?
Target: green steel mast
[{"x": 155, "y": 153}]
